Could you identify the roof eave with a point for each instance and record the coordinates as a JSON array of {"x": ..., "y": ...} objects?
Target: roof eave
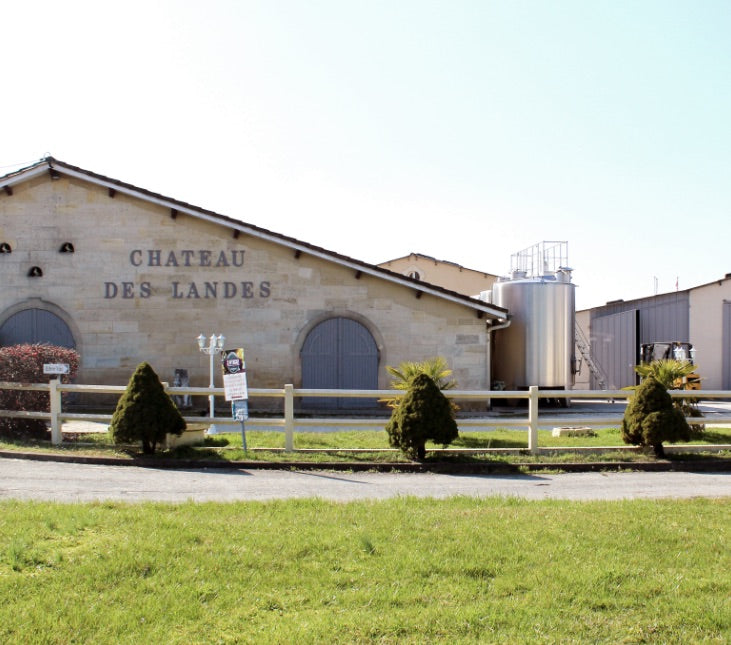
[{"x": 46, "y": 165}]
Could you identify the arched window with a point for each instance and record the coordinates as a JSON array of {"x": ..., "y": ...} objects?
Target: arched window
[{"x": 339, "y": 353}]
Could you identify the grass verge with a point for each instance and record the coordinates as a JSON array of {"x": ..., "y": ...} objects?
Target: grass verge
[
  {"x": 371, "y": 446},
  {"x": 404, "y": 570}
]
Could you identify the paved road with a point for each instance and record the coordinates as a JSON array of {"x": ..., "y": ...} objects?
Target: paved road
[{"x": 66, "y": 482}]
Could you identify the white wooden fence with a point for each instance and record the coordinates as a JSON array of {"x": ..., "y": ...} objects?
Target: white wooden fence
[{"x": 288, "y": 423}]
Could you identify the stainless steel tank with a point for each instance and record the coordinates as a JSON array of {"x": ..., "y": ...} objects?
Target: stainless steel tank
[{"x": 538, "y": 346}]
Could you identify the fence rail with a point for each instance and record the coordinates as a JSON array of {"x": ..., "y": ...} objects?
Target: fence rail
[{"x": 532, "y": 421}]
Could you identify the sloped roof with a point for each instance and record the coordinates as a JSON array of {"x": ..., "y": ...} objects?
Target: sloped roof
[
  {"x": 619, "y": 305},
  {"x": 55, "y": 168},
  {"x": 429, "y": 258}
]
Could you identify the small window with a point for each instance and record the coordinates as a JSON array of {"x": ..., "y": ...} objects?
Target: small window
[{"x": 415, "y": 274}]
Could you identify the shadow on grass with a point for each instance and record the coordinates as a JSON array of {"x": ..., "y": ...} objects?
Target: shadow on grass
[
  {"x": 712, "y": 437},
  {"x": 468, "y": 464},
  {"x": 696, "y": 456},
  {"x": 219, "y": 442},
  {"x": 200, "y": 452},
  {"x": 486, "y": 443}
]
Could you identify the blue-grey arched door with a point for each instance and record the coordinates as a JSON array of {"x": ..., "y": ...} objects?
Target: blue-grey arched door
[
  {"x": 339, "y": 353},
  {"x": 36, "y": 326}
]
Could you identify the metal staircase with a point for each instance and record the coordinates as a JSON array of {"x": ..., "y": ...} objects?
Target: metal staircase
[{"x": 585, "y": 350}]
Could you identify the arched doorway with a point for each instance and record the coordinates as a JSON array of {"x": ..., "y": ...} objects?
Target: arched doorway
[
  {"x": 339, "y": 353},
  {"x": 34, "y": 325}
]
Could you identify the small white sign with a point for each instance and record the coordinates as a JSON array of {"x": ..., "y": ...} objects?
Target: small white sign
[
  {"x": 240, "y": 410},
  {"x": 234, "y": 386},
  {"x": 55, "y": 368}
]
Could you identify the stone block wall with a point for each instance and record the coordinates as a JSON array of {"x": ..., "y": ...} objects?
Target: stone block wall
[{"x": 142, "y": 284}]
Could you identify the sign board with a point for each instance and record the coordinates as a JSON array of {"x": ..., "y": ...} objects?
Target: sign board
[
  {"x": 234, "y": 386},
  {"x": 234, "y": 374},
  {"x": 240, "y": 410},
  {"x": 232, "y": 361},
  {"x": 55, "y": 368}
]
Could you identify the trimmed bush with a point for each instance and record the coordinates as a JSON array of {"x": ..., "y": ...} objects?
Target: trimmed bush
[
  {"x": 423, "y": 414},
  {"x": 24, "y": 364},
  {"x": 651, "y": 418},
  {"x": 145, "y": 412}
]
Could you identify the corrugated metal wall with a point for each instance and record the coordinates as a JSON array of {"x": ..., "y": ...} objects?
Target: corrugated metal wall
[
  {"x": 665, "y": 318},
  {"x": 36, "y": 326},
  {"x": 613, "y": 346},
  {"x": 339, "y": 353},
  {"x": 618, "y": 329}
]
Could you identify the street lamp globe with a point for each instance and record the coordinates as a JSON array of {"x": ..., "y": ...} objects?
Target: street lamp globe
[{"x": 215, "y": 346}]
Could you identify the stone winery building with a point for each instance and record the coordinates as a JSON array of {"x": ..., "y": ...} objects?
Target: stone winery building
[{"x": 126, "y": 275}]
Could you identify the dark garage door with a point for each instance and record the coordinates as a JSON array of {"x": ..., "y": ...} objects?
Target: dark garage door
[
  {"x": 339, "y": 353},
  {"x": 36, "y": 326}
]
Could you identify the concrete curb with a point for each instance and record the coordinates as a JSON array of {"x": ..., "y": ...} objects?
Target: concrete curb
[{"x": 691, "y": 465}]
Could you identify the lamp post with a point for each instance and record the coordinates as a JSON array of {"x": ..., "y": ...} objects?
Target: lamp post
[{"x": 215, "y": 346}]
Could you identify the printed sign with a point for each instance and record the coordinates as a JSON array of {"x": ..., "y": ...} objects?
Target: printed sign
[
  {"x": 232, "y": 361},
  {"x": 234, "y": 386},
  {"x": 55, "y": 368},
  {"x": 234, "y": 374},
  {"x": 240, "y": 410}
]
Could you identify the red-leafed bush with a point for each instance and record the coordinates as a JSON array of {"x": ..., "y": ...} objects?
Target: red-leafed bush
[{"x": 24, "y": 364}]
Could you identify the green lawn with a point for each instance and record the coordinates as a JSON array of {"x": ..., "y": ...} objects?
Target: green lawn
[
  {"x": 228, "y": 445},
  {"x": 269, "y": 446},
  {"x": 398, "y": 571}
]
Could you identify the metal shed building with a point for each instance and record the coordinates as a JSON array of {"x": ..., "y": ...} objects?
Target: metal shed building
[{"x": 700, "y": 315}]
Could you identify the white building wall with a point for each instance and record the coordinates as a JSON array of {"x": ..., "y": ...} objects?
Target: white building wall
[{"x": 706, "y": 331}]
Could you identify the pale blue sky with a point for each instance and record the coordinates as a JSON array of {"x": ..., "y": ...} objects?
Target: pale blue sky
[{"x": 464, "y": 130}]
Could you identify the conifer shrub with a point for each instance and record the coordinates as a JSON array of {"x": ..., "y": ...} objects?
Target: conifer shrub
[
  {"x": 677, "y": 375},
  {"x": 24, "y": 364},
  {"x": 145, "y": 412},
  {"x": 423, "y": 414},
  {"x": 651, "y": 418}
]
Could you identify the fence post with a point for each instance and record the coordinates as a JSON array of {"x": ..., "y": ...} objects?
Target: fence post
[
  {"x": 289, "y": 418},
  {"x": 533, "y": 419},
  {"x": 55, "y": 396}
]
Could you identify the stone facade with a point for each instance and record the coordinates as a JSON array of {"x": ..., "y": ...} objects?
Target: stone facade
[
  {"x": 449, "y": 275},
  {"x": 148, "y": 274}
]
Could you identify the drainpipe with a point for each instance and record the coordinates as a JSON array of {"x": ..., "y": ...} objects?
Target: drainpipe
[{"x": 490, "y": 329}]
